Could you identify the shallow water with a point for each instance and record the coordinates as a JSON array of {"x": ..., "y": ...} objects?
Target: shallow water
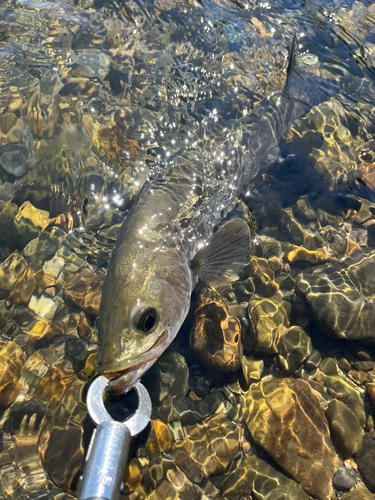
[{"x": 269, "y": 388}]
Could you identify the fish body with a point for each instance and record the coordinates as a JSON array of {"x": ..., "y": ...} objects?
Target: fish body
[{"x": 167, "y": 240}]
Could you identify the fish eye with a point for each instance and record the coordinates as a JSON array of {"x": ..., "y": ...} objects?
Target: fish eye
[
  {"x": 145, "y": 319},
  {"x": 366, "y": 156}
]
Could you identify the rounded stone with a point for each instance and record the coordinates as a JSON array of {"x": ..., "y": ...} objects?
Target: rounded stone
[
  {"x": 13, "y": 159},
  {"x": 346, "y": 431},
  {"x": 269, "y": 319},
  {"x": 328, "y": 366},
  {"x": 364, "y": 365},
  {"x": 344, "y": 365},
  {"x": 216, "y": 334},
  {"x": 339, "y": 293},
  {"x": 348, "y": 394},
  {"x": 313, "y": 360},
  {"x": 294, "y": 348},
  {"x": 343, "y": 480},
  {"x": 285, "y": 417},
  {"x": 252, "y": 369}
]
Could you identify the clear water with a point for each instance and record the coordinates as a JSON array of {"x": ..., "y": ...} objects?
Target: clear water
[{"x": 94, "y": 96}]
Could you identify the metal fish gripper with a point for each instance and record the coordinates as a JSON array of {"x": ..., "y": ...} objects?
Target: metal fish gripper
[{"x": 109, "y": 446}]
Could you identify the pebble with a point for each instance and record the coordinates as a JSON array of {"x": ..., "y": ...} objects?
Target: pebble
[{"x": 343, "y": 480}]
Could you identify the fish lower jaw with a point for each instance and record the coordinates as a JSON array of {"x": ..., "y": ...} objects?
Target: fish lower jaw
[{"x": 121, "y": 381}]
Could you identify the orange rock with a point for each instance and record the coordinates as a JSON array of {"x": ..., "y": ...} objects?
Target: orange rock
[{"x": 160, "y": 439}]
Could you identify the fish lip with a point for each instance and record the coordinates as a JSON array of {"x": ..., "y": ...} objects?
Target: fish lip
[{"x": 127, "y": 366}]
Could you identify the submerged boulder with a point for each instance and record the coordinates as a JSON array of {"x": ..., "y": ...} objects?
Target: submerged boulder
[
  {"x": 285, "y": 417},
  {"x": 341, "y": 296}
]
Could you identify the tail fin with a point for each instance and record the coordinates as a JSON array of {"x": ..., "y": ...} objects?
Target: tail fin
[{"x": 305, "y": 88}]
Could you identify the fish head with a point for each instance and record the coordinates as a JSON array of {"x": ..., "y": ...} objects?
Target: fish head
[{"x": 145, "y": 299}]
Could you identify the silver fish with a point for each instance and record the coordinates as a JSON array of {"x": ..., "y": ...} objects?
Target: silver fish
[{"x": 167, "y": 240}]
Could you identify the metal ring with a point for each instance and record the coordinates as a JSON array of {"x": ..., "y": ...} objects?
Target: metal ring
[{"x": 98, "y": 412}]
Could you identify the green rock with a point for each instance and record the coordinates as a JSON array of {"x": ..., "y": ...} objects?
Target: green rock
[
  {"x": 269, "y": 321},
  {"x": 252, "y": 369},
  {"x": 339, "y": 293},
  {"x": 358, "y": 377},
  {"x": 346, "y": 393},
  {"x": 328, "y": 366},
  {"x": 364, "y": 365},
  {"x": 344, "y": 365},
  {"x": 346, "y": 431},
  {"x": 359, "y": 493},
  {"x": 294, "y": 348},
  {"x": 313, "y": 360},
  {"x": 253, "y": 476}
]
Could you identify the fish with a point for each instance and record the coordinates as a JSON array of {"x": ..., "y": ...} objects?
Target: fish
[{"x": 179, "y": 229}]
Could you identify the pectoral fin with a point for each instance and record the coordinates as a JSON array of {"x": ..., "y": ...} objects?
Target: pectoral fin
[{"x": 225, "y": 255}]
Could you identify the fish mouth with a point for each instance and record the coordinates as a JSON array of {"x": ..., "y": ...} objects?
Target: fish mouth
[{"x": 126, "y": 373}]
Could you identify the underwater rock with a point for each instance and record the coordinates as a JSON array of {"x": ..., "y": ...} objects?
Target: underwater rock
[
  {"x": 208, "y": 448},
  {"x": 23, "y": 288},
  {"x": 158, "y": 467},
  {"x": 173, "y": 374},
  {"x": 363, "y": 177},
  {"x": 301, "y": 254},
  {"x": 89, "y": 64},
  {"x": 28, "y": 222},
  {"x": 341, "y": 296},
  {"x": 294, "y": 348},
  {"x": 160, "y": 439},
  {"x": 370, "y": 389},
  {"x": 42, "y": 248},
  {"x": 216, "y": 334},
  {"x": 252, "y": 369},
  {"x": 254, "y": 476},
  {"x": 347, "y": 393},
  {"x": 357, "y": 376},
  {"x": 346, "y": 431},
  {"x": 304, "y": 211},
  {"x": 85, "y": 290},
  {"x": 366, "y": 460},
  {"x": 359, "y": 493},
  {"x": 269, "y": 320},
  {"x": 176, "y": 486},
  {"x": 364, "y": 365},
  {"x": 285, "y": 417},
  {"x": 313, "y": 360},
  {"x": 14, "y": 159},
  {"x": 11, "y": 362},
  {"x": 65, "y": 448},
  {"x": 263, "y": 277},
  {"x": 10, "y": 271},
  {"x": 202, "y": 408},
  {"x": 328, "y": 366},
  {"x": 296, "y": 232},
  {"x": 134, "y": 473},
  {"x": 344, "y": 479}
]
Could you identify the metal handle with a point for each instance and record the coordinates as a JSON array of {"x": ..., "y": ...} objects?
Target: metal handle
[
  {"x": 109, "y": 446},
  {"x": 106, "y": 461}
]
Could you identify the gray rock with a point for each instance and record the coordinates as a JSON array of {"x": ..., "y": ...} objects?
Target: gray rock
[
  {"x": 343, "y": 479},
  {"x": 13, "y": 159}
]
